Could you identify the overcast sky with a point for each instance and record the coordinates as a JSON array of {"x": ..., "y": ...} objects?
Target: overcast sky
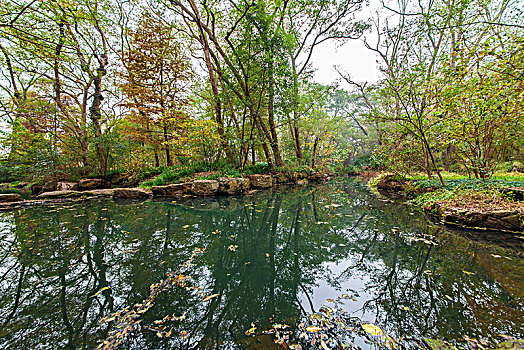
[{"x": 352, "y": 57}]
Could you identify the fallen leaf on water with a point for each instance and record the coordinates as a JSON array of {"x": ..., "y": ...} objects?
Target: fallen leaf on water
[
  {"x": 209, "y": 297},
  {"x": 251, "y": 331},
  {"x": 372, "y": 329},
  {"x": 313, "y": 329}
]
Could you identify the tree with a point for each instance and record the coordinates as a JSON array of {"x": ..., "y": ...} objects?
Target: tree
[{"x": 157, "y": 75}]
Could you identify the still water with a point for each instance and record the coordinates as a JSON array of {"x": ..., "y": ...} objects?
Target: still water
[{"x": 270, "y": 258}]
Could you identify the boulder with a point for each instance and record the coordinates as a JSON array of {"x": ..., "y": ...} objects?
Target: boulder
[
  {"x": 281, "y": 178},
  {"x": 317, "y": 177},
  {"x": 230, "y": 185},
  {"x": 131, "y": 193},
  {"x": 67, "y": 186},
  {"x": 103, "y": 192},
  {"x": 49, "y": 186},
  {"x": 496, "y": 220},
  {"x": 205, "y": 187},
  {"x": 173, "y": 190},
  {"x": 295, "y": 176},
  {"x": 396, "y": 187},
  {"x": 517, "y": 168},
  {"x": 59, "y": 195},
  {"x": 10, "y": 197},
  {"x": 516, "y": 193},
  {"x": 261, "y": 181},
  {"x": 118, "y": 180},
  {"x": 92, "y": 184}
]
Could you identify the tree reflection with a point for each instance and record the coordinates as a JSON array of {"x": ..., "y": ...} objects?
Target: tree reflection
[{"x": 63, "y": 268}]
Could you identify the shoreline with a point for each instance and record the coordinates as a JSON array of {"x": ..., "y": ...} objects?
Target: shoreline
[
  {"x": 223, "y": 187},
  {"x": 499, "y": 209}
]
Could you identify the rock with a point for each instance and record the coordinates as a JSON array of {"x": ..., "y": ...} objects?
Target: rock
[
  {"x": 36, "y": 189},
  {"x": 295, "y": 176},
  {"x": 104, "y": 192},
  {"x": 59, "y": 195},
  {"x": 261, "y": 181},
  {"x": 205, "y": 187},
  {"x": 49, "y": 186},
  {"x": 516, "y": 193},
  {"x": 10, "y": 197},
  {"x": 517, "y": 168},
  {"x": 92, "y": 184},
  {"x": 67, "y": 186},
  {"x": 281, "y": 178},
  {"x": 317, "y": 177},
  {"x": 173, "y": 190},
  {"x": 393, "y": 186},
  {"x": 131, "y": 193},
  {"x": 230, "y": 185},
  {"x": 496, "y": 220},
  {"x": 118, "y": 180}
]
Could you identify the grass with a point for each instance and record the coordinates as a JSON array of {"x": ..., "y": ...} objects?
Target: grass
[
  {"x": 179, "y": 173},
  {"x": 213, "y": 171}
]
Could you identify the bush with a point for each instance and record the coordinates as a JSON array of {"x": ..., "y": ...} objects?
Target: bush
[
  {"x": 258, "y": 168},
  {"x": 179, "y": 172},
  {"x": 9, "y": 174}
]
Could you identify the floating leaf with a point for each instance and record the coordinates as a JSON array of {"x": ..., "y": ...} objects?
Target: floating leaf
[
  {"x": 313, "y": 329},
  {"x": 251, "y": 331},
  {"x": 372, "y": 329},
  {"x": 209, "y": 297}
]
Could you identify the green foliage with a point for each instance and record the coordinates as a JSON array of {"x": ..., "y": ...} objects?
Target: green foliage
[
  {"x": 470, "y": 184},
  {"x": 178, "y": 173},
  {"x": 258, "y": 168}
]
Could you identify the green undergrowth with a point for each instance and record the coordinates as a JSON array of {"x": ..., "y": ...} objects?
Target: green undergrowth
[
  {"x": 179, "y": 173},
  {"x": 435, "y": 196},
  {"x": 213, "y": 171},
  {"x": 470, "y": 184},
  {"x": 24, "y": 193}
]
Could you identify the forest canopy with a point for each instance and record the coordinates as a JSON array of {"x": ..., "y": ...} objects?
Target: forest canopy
[{"x": 97, "y": 87}]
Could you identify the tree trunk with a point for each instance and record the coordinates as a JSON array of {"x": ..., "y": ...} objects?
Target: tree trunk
[
  {"x": 313, "y": 157},
  {"x": 271, "y": 116},
  {"x": 96, "y": 114},
  {"x": 169, "y": 161}
]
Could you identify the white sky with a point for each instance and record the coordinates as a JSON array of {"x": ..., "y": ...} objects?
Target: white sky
[{"x": 352, "y": 57}]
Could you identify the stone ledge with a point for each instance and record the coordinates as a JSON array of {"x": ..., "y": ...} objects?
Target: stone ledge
[{"x": 496, "y": 220}]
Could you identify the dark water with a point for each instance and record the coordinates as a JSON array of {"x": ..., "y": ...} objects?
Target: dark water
[{"x": 271, "y": 258}]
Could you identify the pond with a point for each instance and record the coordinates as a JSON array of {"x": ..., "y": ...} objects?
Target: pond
[{"x": 270, "y": 258}]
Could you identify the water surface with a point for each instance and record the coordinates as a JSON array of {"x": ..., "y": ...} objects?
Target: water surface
[{"x": 271, "y": 258}]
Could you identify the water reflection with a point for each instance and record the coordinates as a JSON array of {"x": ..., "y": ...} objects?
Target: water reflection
[{"x": 271, "y": 258}]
